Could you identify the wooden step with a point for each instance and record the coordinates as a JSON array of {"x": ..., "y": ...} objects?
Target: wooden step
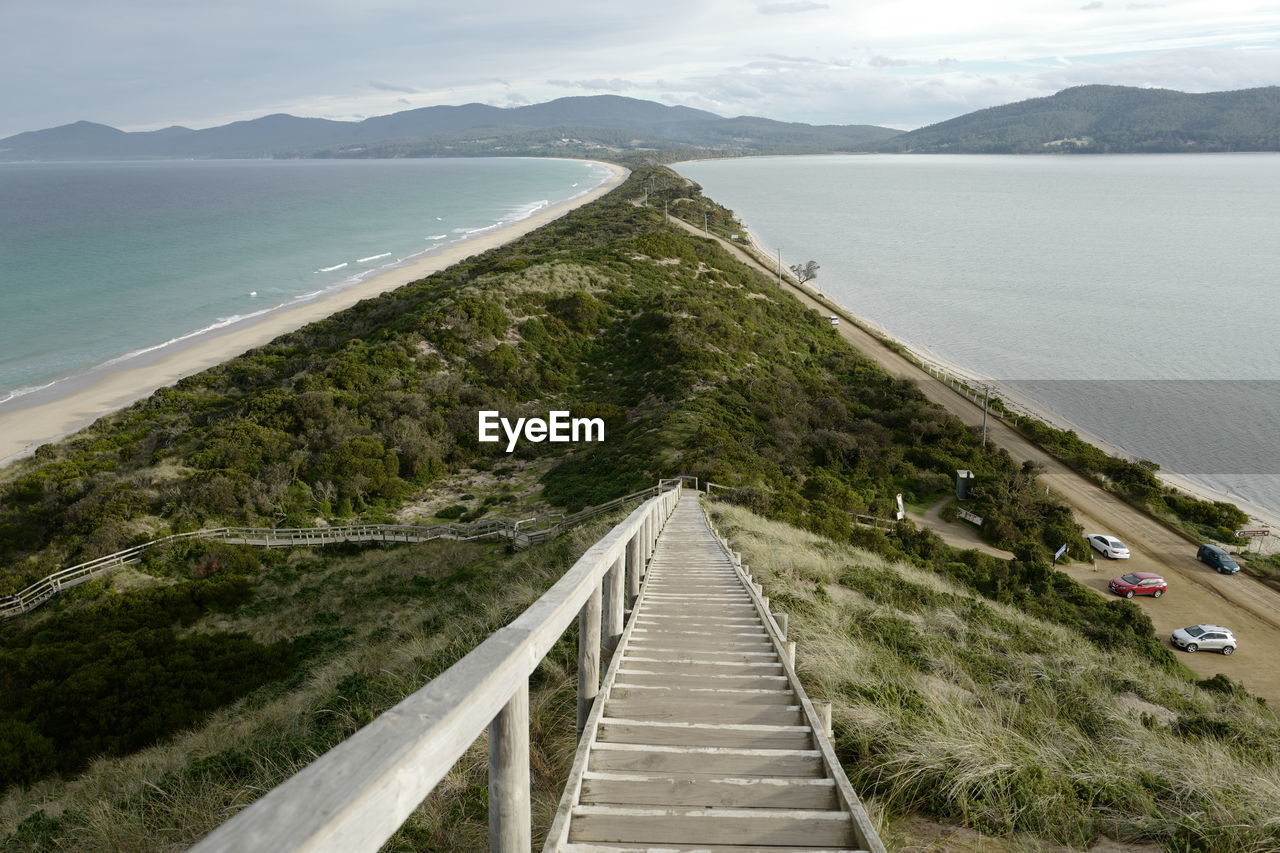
[
  {"x": 702, "y": 634},
  {"x": 595, "y": 847},
  {"x": 760, "y": 827},
  {"x": 700, "y": 789},
  {"x": 704, "y": 642},
  {"x": 718, "y": 761},
  {"x": 650, "y": 616},
  {"x": 635, "y": 674},
  {"x": 698, "y": 667},
  {"x": 681, "y": 733},
  {"x": 720, "y": 609},
  {"x": 721, "y": 696},
  {"x": 764, "y": 653},
  {"x": 702, "y": 711}
]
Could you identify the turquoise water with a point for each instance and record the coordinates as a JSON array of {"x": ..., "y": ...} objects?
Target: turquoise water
[
  {"x": 101, "y": 261},
  {"x": 1134, "y": 295}
]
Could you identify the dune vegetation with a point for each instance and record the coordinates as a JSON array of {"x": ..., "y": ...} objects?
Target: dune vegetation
[{"x": 952, "y": 705}]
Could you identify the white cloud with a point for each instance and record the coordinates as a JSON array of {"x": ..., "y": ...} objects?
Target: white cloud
[
  {"x": 791, "y": 8},
  {"x": 391, "y": 87},
  {"x": 596, "y": 85},
  {"x": 898, "y": 62},
  {"x": 1185, "y": 70}
]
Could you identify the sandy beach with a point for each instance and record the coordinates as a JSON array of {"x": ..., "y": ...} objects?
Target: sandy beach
[{"x": 25, "y": 428}]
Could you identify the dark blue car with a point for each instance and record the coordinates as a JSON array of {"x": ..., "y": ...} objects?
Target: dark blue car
[{"x": 1218, "y": 558}]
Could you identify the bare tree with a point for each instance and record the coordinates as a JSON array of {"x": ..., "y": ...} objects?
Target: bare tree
[{"x": 806, "y": 271}]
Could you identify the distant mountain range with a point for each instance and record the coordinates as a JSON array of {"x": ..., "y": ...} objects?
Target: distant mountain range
[
  {"x": 1084, "y": 119},
  {"x": 573, "y": 125},
  {"x": 1101, "y": 119}
]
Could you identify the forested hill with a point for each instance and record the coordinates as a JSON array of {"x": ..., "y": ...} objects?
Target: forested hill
[
  {"x": 591, "y": 125},
  {"x": 1108, "y": 119}
]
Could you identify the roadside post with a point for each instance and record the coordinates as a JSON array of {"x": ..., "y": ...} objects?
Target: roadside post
[{"x": 1253, "y": 535}]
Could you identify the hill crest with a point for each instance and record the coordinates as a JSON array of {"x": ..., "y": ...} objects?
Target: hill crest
[{"x": 569, "y": 125}]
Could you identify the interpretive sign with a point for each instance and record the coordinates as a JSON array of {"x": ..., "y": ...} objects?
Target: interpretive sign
[{"x": 969, "y": 516}]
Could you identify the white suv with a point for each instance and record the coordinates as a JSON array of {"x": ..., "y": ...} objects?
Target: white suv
[
  {"x": 1109, "y": 546},
  {"x": 1204, "y": 637}
]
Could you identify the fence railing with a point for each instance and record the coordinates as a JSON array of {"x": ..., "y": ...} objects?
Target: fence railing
[
  {"x": 355, "y": 796},
  {"x": 521, "y": 533}
]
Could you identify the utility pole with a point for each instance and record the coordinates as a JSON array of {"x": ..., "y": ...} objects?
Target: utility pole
[
  {"x": 779, "y": 268},
  {"x": 986, "y": 394},
  {"x": 706, "y": 226}
]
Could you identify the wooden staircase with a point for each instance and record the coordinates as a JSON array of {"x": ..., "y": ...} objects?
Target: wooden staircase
[{"x": 702, "y": 737}]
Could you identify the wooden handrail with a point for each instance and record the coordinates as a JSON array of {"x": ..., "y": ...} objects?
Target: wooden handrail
[
  {"x": 274, "y": 537},
  {"x": 354, "y": 797}
]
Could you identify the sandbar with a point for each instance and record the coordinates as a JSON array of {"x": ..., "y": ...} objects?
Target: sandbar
[{"x": 26, "y": 426}]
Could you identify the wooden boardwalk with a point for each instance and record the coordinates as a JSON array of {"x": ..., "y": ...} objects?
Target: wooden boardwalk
[{"x": 702, "y": 738}]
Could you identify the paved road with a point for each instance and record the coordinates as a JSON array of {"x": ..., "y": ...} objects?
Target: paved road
[{"x": 1196, "y": 593}]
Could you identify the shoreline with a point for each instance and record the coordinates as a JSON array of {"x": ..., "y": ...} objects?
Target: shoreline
[
  {"x": 1033, "y": 408},
  {"x": 108, "y": 388}
]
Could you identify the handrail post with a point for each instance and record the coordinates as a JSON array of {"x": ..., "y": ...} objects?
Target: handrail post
[
  {"x": 824, "y": 715},
  {"x": 510, "y": 828},
  {"x": 633, "y": 570},
  {"x": 588, "y": 657},
  {"x": 646, "y": 541},
  {"x": 613, "y": 593}
]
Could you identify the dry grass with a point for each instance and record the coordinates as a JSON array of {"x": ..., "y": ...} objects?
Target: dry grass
[{"x": 963, "y": 709}]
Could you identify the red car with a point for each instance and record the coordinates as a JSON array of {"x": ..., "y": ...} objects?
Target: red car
[{"x": 1139, "y": 583}]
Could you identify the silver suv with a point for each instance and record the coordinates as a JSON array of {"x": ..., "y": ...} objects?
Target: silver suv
[{"x": 1204, "y": 637}]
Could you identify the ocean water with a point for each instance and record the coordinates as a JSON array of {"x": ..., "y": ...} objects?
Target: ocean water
[
  {"x": 1133, "y": 295},
  {"x": 101, "y": 262}
]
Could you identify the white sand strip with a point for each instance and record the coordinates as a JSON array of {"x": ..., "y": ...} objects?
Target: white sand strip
[{"x": 24, "y": 429}]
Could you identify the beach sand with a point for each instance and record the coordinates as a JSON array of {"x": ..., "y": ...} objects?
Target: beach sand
[{"x": 25, "y": 428}]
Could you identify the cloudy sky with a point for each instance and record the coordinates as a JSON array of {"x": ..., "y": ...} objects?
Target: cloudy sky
[{"x": 144, "y": 64}]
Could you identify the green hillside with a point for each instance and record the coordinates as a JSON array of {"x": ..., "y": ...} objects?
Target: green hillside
[{"x": 1108, "y": 119}]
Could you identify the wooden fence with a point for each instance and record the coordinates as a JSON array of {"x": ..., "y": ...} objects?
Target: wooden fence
[
  {"x": 521, "y": 533},
  {"x": 355, "y": 797}
]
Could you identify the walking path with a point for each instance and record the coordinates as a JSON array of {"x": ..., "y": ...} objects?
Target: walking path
[
  {"x": 702, "y": 735},
  {"x": 957, "y": 534}
]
